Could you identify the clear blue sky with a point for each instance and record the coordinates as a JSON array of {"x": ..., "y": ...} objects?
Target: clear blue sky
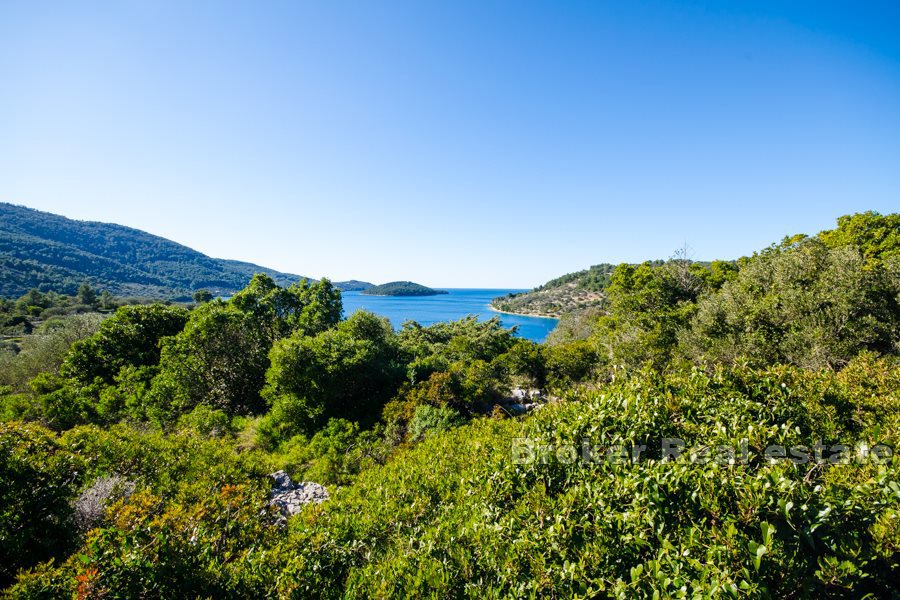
[{"x": 468, "y": 144}]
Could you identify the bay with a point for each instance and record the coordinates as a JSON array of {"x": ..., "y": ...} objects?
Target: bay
[{"x": 456, "y": 304}]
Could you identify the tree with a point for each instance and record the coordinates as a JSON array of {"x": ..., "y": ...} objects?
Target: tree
[
  {"x": 434, "y": 348},
  {"x": 221, "y": 357},
  {"x": 86, "y": 295},
  {"x": 802, "y": 303},
  {"x": 348, "y": 372},
  {"x": 649, "y": 305},
  {"x": 307, "y": 307},
  {"x": 45, "y": 351},
  {"x": 106, "y": 300},
  {"x": 202, "y": 296},
  {"x": 131, "y": 337},
  {"x": 876, "y": 236}
]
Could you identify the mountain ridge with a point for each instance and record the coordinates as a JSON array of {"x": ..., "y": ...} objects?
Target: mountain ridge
[{"x": 47, "y": 251}]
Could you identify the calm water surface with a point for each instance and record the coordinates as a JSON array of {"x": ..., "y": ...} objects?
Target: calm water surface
[{"x": 447, "y": 307}]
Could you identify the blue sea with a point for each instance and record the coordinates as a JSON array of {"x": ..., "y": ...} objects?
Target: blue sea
[{"x": 453, "y": 306}]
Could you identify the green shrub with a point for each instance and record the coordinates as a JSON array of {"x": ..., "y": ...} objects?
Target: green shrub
[
  {"x": 207, "y": 422},
  {"x": 428, "y": 420},
  {"x": 335, "y": 455},
  {"x": 180, "y": 465},
  {"x": 38, "y": 480}
]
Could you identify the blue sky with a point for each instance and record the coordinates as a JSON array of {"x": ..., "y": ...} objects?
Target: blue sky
[{"x": 464, "y": 144}]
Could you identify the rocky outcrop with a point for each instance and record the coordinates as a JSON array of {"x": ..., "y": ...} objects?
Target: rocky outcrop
[{"x": 289, "y": 497}]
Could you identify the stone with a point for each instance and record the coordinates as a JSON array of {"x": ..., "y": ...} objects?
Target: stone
[{"x": 290, "y": 498}]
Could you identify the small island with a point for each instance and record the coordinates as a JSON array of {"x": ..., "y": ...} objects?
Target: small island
[{"x": 401, "y": 288}]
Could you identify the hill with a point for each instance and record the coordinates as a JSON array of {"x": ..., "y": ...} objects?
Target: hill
[
  {"x": 566, "y": 294},
  {"x": 401, "y": 288},
  {"x": 51, "y": 252}
]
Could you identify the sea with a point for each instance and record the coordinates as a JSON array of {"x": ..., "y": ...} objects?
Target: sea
[{"x": 456, "y": 304}]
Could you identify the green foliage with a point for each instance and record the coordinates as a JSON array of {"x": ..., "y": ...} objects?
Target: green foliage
[
  {"x": 529, "y": 361},
  {"x": 86, "y": 295},
  {"x": 38, "y": 480},
  {"x": 202, "y": 296},
  {"x": 648, "y": 306},
  {"x": 335, "y": 455},
  {"x": 806, "y": 304},
  {"x": 813, "y": 302},
  {"x": 570, "y": 364},
  {"x": 876, "y": 236},
  {"x": 64, "y": 407},
  {"x": 794, "y": 346},
  {"x": 198, "y": 550},
  {"x": 428, "y": 420},
  {"x": 575, "y": 326},
  {"x": 486, "y": 526},
  {"x": 181, "y": 465},
  {"x": 348, "y": 371},
  {"x": 43, "y": 350},
  {"x": 206, "y": 421},
  {"x": 131, "y": 337},
  {"x": 437, "y": 347},
  {"x": 464, "y": 365},
  {"x": 221, "y": 357},
  {"x": 456, "y": 516}
]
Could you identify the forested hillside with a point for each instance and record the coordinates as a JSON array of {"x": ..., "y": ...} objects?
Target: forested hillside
[
  {"x": 716, "y": 430},
  {"x": 52, "y": 253}
]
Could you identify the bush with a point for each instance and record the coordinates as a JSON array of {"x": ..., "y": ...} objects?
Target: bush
[
  {"x": 428, "y": 420},
  {"x": 207, "y": 422},
  {"x": 38, "y": 480},
  {"x": 346, "y": 372},
  {"x": 181, "y": 465}
]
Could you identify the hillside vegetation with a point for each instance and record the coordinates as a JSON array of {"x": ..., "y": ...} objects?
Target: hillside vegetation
[
  {"x": 570, "y": 293},
  {"x": 717, "y": 430},
  {"x": 47, "y": 252}
]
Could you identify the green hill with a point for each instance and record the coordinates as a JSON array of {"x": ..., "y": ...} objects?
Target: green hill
[
  {"x": 51, "y": 252},
  {"x": 566, "y": 294},
  {"x": 401, "y": 288}
]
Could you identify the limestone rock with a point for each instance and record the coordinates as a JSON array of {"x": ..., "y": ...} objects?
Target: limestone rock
[{"x": 290, "y": 497}]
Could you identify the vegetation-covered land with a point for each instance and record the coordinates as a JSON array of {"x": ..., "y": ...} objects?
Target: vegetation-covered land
[
  {"x": 47, "y": 252},
  {"x": 573, "y": 292},
  {"x": 401, "y": 288},
  {"x": 134, "y": 450}
]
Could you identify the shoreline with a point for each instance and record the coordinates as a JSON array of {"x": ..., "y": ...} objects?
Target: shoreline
[
  {"x": 403, "y": 295},
  {"x": 515, "y": 314}
]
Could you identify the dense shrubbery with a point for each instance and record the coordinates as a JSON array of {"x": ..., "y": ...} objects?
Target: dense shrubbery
[
  {"x": 435, "y": 492},
  {"x": 455, "y": 515}
]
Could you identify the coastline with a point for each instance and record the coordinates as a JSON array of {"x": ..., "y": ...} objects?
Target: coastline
[
  {"x": 516, "y": 314},
  {"x": 403, "y": 295}
]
